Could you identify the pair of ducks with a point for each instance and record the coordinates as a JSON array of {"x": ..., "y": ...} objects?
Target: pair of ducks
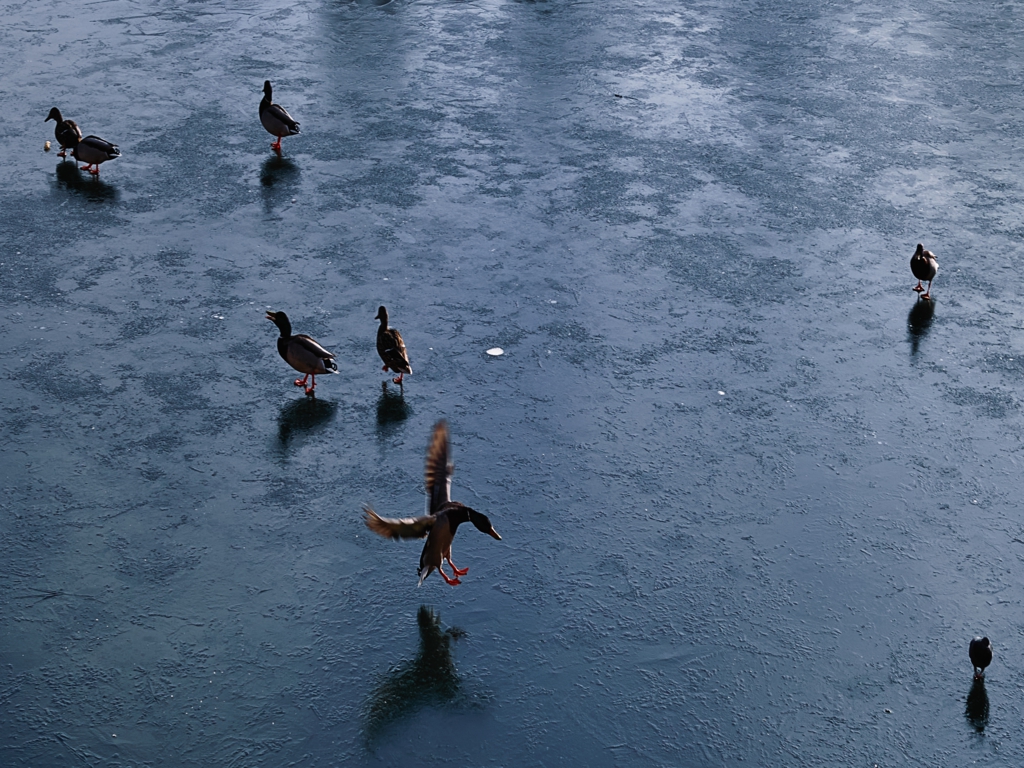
[
  {"x": 444, "y": 516},
  {"x": 305, "y": 355},
  {"x": 91, "y": 150}
]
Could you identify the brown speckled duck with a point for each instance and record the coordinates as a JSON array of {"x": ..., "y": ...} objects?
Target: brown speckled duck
[
  {"x": 301, "y": 352},
  {"x": 925, "y": 266},
  {"x": 444, "y": 515},
  {"x": 275, "y": 118},
  {"x": 67, "y": 132},
  {"x": 391, "y": 348}
]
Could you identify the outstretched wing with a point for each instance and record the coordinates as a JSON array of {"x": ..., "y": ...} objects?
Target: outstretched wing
[
  {"x": 438, "y": 472},
  {"x": 398, "y": 528}
]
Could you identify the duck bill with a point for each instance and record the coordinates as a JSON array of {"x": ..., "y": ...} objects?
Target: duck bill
[
  {"x": 271, "y": 318},
  {"x": 494, "y": 533}
]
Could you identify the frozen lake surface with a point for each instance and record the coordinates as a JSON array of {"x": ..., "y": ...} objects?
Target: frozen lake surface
[{"x": 754, "y": 498}]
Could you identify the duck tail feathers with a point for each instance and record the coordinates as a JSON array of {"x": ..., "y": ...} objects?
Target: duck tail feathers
[{"x": 424, "y": 572}]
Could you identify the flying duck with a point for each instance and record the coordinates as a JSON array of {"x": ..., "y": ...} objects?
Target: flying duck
[
  {"x": 924, "y": 265},
  {"x": 391, "y": 348},
  {"x": 275, "y": 118},
  {"x": 67, "y": 132},
  {"x": 301, "y": 352},
  {"x": 92, "y": 150},
  {"x": 981, "y": 656},
  {"x": 443, "y": 517}
]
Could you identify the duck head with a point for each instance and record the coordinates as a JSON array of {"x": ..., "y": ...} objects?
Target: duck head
[
  {"x": 280, "y": 319},
  {"x": 920, "y": 249},
  {"x": 382, "y": 315},
  {"x": 54, "y": 115},
  {"x": 483, "y": 523},
  {"x": 267, "y": 90}
]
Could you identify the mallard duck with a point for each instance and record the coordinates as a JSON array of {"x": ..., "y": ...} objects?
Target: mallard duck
[
  {"x": 925, "y": 266},
  {"x": 981, "y": 655},
  {"x": 67, "y": 132},
  {"x": 92, "y": 150},
  {"x": 275, "y": 118},
  {"x": 443, "y": 517},
  {"x": 391, "y": 348},
  {"x": 301, "y": 352}
]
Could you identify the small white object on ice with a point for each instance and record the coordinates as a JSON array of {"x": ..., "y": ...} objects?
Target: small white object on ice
[{"x": 495, "y": 351}]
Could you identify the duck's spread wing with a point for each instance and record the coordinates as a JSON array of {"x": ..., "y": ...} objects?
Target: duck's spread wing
[
  {"x": 398, "y": 528},
  {"x": 438, "y": 471},
  {"x": 312, "y": 345}
]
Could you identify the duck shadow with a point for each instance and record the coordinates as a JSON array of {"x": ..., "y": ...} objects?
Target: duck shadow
[
  {"x": 303, "y": 416},
  {"x": 391, "y": 411},
  {"x": 429, "y": 679},
  {"x": 976, "y": 710},
  {"x": 69, "y": 177},
  {"x": 919, "y": 320},
  {"x": 279, "y": 171}
]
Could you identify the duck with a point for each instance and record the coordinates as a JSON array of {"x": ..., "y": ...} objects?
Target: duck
[
  {"x": 443, "y": 517},
  {"x": 275, "y": 118},
  {"x": 391, "y": 348},
  {"x": 92, "y": 150},
  {"x": 67, "y": 132},
  {"x": 981, "y": 655},
  {"x": 925, "y": 266},
  {"x": 302, "y": 353}
]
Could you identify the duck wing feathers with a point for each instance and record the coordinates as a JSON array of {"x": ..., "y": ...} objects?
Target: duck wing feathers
[
  {"x": 925, "y": 266},
  {"x": 391, "y": 349},
  {"x": 312, "y": 345},
  {"x": 398, "y": 528},
  {"x": 437, "y": 473},
  {"x": 67, "y": 133},
  {"x": 94, "y": 150},
  {"x": 276, "y": 120}
]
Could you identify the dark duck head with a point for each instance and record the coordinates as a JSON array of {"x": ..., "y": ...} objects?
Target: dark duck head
[
  {"x": 280, "y": 319},
  {"x": 483, "y": 523}
]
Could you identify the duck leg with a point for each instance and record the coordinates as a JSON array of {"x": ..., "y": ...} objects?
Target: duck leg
[
  {"x": 399, "y": 379},
  {"x": 918, "y": 287},
  {"x": 276, "y": 146},
  {"x": 311, "y": 387},
  {"x": 458, "y": 571},
  {"x": 383, "y": 367},
  {"x": 301, "y": 382},
  {"x": 63, "y": 152},
  {"x": 444, "y": 576},
  {"x": 927, "y": 294}
]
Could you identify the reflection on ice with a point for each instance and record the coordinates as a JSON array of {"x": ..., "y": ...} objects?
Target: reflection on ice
[
  {"x": 391, "y": 409},
  {"x": 277, "y": 169},
  {"x": 976, "y": 711},
  {"x": 429, "y": 679},
  {"x": 303, "y": 415},
  {"x": 91, "y": 187},
  {"x": 918, "y": 321}
]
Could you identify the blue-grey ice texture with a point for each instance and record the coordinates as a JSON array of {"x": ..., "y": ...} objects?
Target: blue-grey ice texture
[{"x": 754, "y": 499}]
